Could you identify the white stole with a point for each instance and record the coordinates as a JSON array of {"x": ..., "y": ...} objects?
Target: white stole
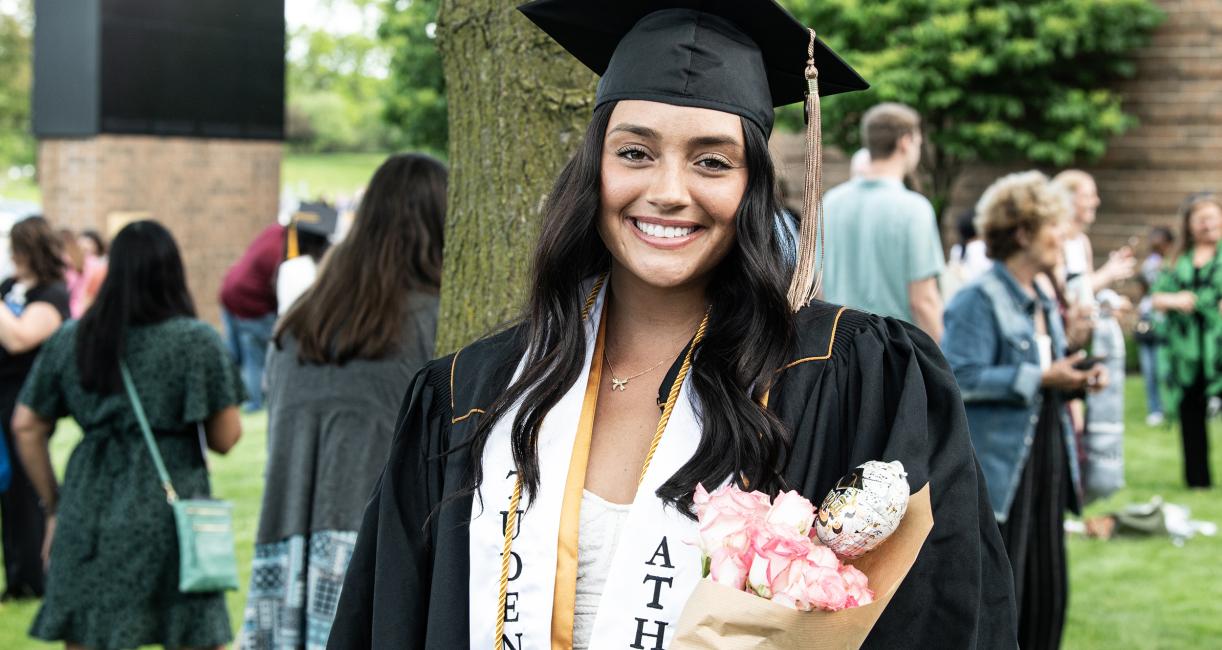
[{"x": 654, "y": 569}]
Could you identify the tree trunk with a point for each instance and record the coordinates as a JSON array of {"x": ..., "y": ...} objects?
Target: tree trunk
[{"x": 518, "y": 107}]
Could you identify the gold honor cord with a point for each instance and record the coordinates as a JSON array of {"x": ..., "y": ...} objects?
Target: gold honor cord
[
  {"x": 511, "y": 524},
  {"x": 673, "y": 396}
]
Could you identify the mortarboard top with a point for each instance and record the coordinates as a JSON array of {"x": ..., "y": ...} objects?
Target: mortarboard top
[
  {"x": 738, "y": 56},
  {"x": 316, "y": 219}
]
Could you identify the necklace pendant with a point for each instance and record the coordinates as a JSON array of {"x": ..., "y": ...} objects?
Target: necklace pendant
[{"x": 619, "y": 384}]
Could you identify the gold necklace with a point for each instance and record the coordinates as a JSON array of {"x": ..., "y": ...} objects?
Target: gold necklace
[{"x": 622, "y": 384}]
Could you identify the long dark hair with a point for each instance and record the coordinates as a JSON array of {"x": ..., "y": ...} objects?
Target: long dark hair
[
  {"x": 39, "y": 249},
  {"x": 749, "y": 333},
  {"x": 145, "y": 284},
  {"x": 355, "y": 308}
]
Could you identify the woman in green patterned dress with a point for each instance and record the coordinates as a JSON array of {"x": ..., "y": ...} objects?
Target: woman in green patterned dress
[
  {"x": 1190, "y": 292},
  {"x": 112, "y": 551}
]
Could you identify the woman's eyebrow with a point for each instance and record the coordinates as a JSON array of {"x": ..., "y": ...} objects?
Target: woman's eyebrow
[
  {"x": 643, "y": 131},
  {"x": 715, "y": 141}
]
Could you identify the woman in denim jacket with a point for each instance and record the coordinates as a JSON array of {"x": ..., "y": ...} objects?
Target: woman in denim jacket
[{"x": 1006, "y": 344}]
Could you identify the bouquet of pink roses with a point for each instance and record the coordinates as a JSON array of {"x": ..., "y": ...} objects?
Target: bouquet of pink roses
[
  {"x": 771, "y": 550},
  {"x": 772, "y": 583}
]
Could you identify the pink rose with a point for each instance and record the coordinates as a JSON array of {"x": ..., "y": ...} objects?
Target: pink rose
[
  {"x": 856, "y": 584},
  {"x": 791, "y": 512},
  {"x": 728, "y": 518},
  {"x": 727, "y": 567},
  {"x": 822, "y": 556},
  {"x": 825, "y": 588}
]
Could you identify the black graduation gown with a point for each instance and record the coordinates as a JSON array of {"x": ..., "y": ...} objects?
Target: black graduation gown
[{"x": 860, "y": 388}]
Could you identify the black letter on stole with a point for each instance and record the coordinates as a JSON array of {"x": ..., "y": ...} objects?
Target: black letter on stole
[
  {"x": 657, "y": 638},
  {"x": 664, "y": 551},
  {"x": 515, "y": 562},
  {"x": 517, "y": 528},
  {"x": 506, "y": 643},
  {"x": 657, "y": 589},
  {"x": 511, "y": 605}
]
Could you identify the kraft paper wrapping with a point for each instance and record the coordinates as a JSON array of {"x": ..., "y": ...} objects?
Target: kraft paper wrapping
[{"x": 717, "y": 617}]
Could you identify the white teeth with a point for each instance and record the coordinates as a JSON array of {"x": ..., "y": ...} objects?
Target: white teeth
[{"x": 663, "y": 232}]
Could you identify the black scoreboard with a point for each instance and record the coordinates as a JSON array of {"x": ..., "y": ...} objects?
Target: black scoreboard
[{"x": 201, "y": 68}]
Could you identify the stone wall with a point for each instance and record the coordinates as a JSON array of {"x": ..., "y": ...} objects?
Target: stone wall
[{"x": 214, "y": 195}]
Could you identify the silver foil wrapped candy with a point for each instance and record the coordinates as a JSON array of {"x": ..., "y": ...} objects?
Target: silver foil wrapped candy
[{"x": 864, "y": 508}]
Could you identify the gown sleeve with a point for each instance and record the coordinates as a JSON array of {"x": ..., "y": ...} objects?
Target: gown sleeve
[
  {"x": 384, "y": 602},
  {"x": 887, "y": 394}
]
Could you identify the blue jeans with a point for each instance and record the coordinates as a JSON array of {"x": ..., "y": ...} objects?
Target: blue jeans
[
  {"x": 1147, "y": 356},
  {"x": 247, "y": 339}
]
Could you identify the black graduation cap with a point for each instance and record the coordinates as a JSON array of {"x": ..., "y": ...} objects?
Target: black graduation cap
[
  {"x": 738, "y": 56},
  {"x": 316, "y": 219}
]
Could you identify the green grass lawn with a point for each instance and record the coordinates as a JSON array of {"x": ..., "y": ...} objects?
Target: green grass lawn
[
  {"x": 334, "y": 174},
  {"x": 1124, "y": 593}
]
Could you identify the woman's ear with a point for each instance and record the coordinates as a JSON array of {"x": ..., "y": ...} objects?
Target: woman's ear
[{"x": 1023, "y": 237}]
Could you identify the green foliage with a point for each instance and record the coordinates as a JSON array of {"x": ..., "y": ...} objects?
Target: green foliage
[
  {"x": 995, "y": 80},
  {"x": 16, "y": 141},
  {"x": 334, "y": 90},
  {"x": 416, "y": 100}
]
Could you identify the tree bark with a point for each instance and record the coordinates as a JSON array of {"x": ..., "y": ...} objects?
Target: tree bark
[{"x": 518, "y": 107}]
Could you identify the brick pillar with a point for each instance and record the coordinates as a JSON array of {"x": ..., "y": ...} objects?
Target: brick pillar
[{"x": 215, "y": 195}]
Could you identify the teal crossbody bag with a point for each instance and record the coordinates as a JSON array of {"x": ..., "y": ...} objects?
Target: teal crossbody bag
[{"x": 206, "y": 560}]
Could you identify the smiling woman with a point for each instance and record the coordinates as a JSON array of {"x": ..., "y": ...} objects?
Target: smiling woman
[{"x": 540, "y": 485}]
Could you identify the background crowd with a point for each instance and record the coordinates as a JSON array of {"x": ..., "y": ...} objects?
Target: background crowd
[{"x": 325, "y": 324}]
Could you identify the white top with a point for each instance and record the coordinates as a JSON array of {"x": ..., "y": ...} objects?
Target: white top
[
  {"x": 1075, "y": 255},
  {"x": 597, "y": 539},
  {"x": 292, "y": 280}
]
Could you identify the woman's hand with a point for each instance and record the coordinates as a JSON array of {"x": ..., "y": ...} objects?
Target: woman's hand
[
  {"x": 1120, "y": 265},
  {"x": 1063, "y": 376},
  {"x": 1079, "y": 325},
  {"x": 46, "y": 542}
]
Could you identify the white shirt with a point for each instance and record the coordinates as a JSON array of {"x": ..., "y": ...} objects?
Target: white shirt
[
  {"x": 597, "y": 539},
  {"x": 292, "y": 280}
]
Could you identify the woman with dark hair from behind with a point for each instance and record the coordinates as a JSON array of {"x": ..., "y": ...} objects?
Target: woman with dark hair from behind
[
  {"x": 36, "y": 303},
  {"x": 112, "y": 549},
  {"x": 343, "y": 355}
]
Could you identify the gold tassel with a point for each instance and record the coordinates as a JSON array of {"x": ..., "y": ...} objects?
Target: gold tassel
[
  {"x": 807, "y": 279},
  {"x": 291, "y": 247}
]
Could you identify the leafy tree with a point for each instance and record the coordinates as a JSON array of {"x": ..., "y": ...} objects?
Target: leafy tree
[
  {"x": 335, "y": 87},
  {"x": 416, "y": 92},
  {"x": 994, "y": 80},
  {"x": 16, "y": 141}
]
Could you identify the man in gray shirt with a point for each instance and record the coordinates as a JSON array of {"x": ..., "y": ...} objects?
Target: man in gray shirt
[{"x": 884, "y": 253}]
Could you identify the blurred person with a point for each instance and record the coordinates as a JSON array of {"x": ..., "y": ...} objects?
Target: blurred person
[
  {"x": 1082, "y": 279},
  {"x": 36, "y": 304},
  {"x": 248, "y": 308},
  {"x": 888, "y": 253},
  {"x": 341, "y": 359},
  {"x": 308, "y": 238},
  {"x": 968, "y": 257},
  {"x": 1160, "y": 241},
  {"x": 91, "y": 243},
  {"x": 84, "y": 271},
  {"x": 1189, "y": 292},
  {"x": 94, "y": 247},
  {"x": 111, "y": 544},
  {"x": 1006, "y": 344}
]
